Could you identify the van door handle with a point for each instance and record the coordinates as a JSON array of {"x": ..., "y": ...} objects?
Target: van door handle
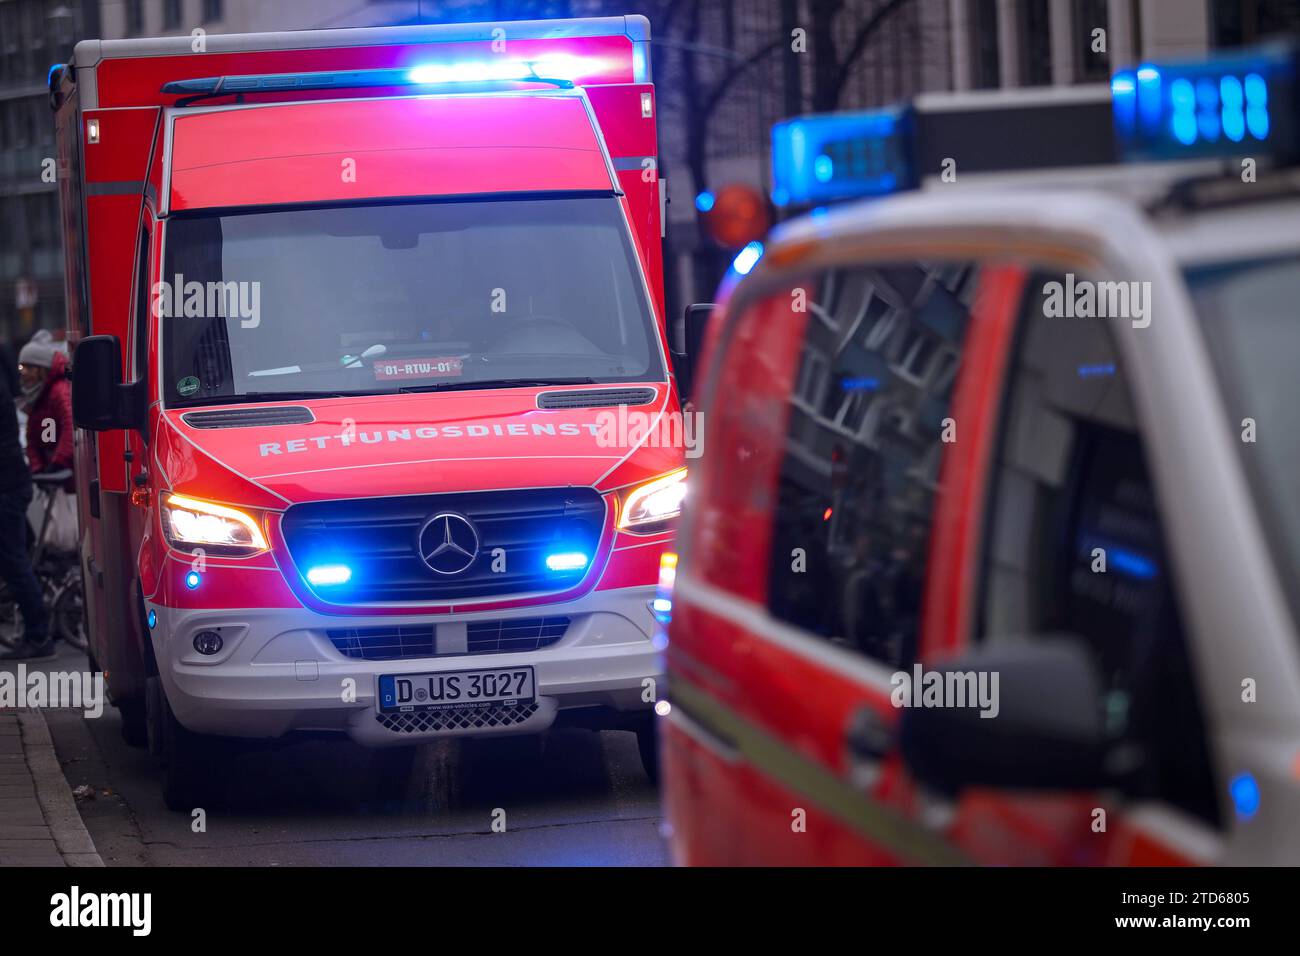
[{"x": 868, "y": 740}]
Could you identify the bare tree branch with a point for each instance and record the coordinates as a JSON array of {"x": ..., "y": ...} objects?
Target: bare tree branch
[
  {"x": 860, "y": 39},
  {"x": 714, "y": 97}
]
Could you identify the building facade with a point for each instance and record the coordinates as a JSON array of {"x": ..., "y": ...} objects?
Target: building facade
[{"x": 726, "y": 70}]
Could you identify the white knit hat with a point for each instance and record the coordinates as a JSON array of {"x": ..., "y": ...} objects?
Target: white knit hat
[{"x": 40, "y": 350}]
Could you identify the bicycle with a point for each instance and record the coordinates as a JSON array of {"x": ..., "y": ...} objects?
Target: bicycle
[{"x": 59, "y": 574}]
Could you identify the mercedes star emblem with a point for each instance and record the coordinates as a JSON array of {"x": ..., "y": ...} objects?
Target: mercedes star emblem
[{"x": 448, "y": 543}]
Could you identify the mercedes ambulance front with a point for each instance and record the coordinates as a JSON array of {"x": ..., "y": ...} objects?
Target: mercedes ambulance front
[{"x": 406, "y": 468}]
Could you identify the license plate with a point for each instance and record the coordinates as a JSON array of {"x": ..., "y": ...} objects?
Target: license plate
[{"x": 492, "y": 687}]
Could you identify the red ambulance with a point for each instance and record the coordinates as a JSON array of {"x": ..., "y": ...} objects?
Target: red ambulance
[
  {"x": 992, "y": 555},
  {"x": 371, "y": 358}
]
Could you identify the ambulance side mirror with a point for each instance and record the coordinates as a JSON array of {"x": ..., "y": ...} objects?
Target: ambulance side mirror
[
  {"x": 1037, "y": 722},
  {"x": 100, "y": 400},
  {"x": 687, "y": 341}
]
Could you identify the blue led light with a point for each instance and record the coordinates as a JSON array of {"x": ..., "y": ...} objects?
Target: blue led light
[
  {"x": 1131, "y": 563},
  {"x": 860, "y": 384},
  {"x": 1094, "y": 371},
  {"x": 640, "y": 63},
  {"x": 1245, "y": 795},
  {"x": 836, "y": 156},
  {"x": 192, "y": 580},
  {"x": 566, "y": 561},
  {"x": 1256, "y": 90},
  {"x": 1182, "y": 95},
  {"x": 153, "y": 619},
  {"x": 324, "y": 575},
  {"x": 1148, "y": 94},
  {"x": 662, "y": 608},
  {"x": 747, "y": 258},
  {"x": 704, "y": 201},
  {"x": 1257, "y": 122},
  {"x": 555, "y": 66},
  {"x": 1224, "y": 107}
]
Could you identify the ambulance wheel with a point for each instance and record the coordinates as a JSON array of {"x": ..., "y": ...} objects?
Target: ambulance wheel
[
  {"x": 187, "y": 758},
  {"x": 135, "y": 725},
  {"x": 647, "y": 742}
]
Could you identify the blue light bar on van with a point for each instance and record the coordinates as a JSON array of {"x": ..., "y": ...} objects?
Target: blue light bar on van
[
  {"x": 1241, "y": 104},
  {"x": 555, "y": 66},
  {"x": 443, "y": 75},
  {"x": 824, "y": 158}
]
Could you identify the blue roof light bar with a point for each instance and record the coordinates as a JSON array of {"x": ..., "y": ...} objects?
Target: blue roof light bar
[
  {"x": 834, "y": 156},
  {"x": 452, "y": 76},
  {"x": 1239, "y": 104}
]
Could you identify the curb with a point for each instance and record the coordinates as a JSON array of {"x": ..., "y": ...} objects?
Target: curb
[{"x": 53, "y": 794}]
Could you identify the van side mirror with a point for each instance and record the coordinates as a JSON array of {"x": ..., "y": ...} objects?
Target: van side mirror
[
  {"x": 687, "y": 340},
  {"x": 1046, "y": 729},
  {"x": 100, "y": 400}
]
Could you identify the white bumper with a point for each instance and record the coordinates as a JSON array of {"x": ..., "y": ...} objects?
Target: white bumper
[{"x": 278, "y": 671}]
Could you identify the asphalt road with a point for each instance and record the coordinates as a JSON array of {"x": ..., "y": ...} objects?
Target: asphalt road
[{"x": 580, "y": 799}]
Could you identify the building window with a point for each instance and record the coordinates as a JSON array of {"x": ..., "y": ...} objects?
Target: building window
[
  {"x": 134, "y": 17},
  {"x": 1090, "y": 15},
  {"x": 1243, "y": 22},
  {"x": 1035, "y": 44},
  {"x": 212, "y": 10},
  {"x": 984, "y": 44},
  {"x": 171, "y": 14}
]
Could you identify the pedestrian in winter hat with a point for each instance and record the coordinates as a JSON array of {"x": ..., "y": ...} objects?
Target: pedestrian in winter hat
[{"x": 34, "y": 363}]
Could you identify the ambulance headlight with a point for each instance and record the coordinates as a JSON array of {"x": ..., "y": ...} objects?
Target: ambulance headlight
[
  {"x": 190, "y": 523},
  {"x": 648, "y": 507}
]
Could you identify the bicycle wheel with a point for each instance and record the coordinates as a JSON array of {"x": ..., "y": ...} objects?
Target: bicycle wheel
[{"x": 68, "y": 612}]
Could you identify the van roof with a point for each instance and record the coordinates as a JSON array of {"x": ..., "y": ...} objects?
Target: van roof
[
  {"x": 341, "y": 150},
  {"x": 115, "y": 73}
]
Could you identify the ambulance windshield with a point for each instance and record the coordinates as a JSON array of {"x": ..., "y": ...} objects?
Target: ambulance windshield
[
  {"x": 405, "y": 296},
  {"x": 1249, "y": 313}
]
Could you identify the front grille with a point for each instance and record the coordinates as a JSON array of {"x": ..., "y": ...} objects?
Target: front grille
[
  {"x": 249, "y": 417},
  {"x": 407, "y": 642},
  {"x": 596, "y": 398},
  {"x": 377, "y": 538},
  {"x": 458, "y": 718},
  {"x": 517, "y": 634}
]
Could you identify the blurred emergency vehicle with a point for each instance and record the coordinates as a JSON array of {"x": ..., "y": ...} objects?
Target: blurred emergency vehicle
[
  {"x": 993, "y": 555},
  {"x": 377, "y": 294}
]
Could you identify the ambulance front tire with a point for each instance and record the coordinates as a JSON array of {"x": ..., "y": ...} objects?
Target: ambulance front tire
[
  {"x": 135, "y": 721},
  {"x": 187, "y": 758},
  {"x": 134, "y": 724},
  {"x": 647, "y": 742}
]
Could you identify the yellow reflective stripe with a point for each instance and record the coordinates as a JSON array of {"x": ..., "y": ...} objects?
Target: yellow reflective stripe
[{"x": 882, "y": 825}]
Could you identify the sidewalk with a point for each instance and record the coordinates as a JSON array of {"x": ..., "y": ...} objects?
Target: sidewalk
[{"x": 39, "y": 822}]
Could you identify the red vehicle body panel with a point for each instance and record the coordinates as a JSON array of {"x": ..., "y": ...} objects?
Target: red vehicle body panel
[{"x": 428, "y": 146}]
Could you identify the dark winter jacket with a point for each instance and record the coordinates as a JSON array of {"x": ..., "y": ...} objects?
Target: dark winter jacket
[{"x": 13, "y": 467}]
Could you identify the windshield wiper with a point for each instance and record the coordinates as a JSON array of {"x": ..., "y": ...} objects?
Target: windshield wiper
[{"x": 496, "y": 383}]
